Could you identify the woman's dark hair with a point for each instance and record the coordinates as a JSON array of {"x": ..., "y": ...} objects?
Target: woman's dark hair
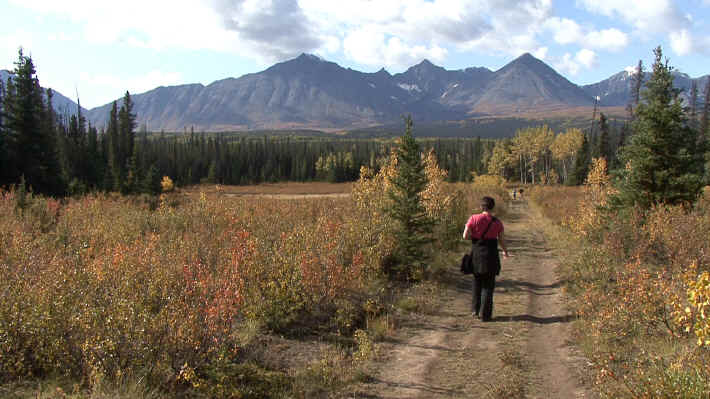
[{"x": 487, "y": 203}]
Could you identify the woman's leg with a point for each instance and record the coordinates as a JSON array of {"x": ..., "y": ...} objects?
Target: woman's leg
[
  {"x": 488, "y": 284},
  {"x": 476, "y": 303}
]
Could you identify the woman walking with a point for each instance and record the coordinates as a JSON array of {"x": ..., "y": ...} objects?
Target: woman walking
[{"x": 486, "y": 232}]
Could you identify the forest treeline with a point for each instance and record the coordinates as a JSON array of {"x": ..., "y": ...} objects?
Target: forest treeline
[{"x": 64, "y": 154}]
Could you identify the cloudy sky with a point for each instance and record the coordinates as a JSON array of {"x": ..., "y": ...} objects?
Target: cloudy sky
[{"x": 101, "y": 48}]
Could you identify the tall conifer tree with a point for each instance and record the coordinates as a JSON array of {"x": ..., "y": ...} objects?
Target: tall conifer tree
[
  {"x": 603, "y": 146},
  {"x": 414, "y": 227},
  {"x": 693, "y": 105},
  {"x": 114, "y": 150},
  {"x": 705, "y": 116},
  {"x": 4, "y": 167},
  {"x": 663, "y": 163},
  {"x": 581, "y": 163},
  {"x": 31, "y": 135}
]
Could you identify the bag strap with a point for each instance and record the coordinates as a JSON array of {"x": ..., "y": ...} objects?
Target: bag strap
[{"x": 493, "y": 219}]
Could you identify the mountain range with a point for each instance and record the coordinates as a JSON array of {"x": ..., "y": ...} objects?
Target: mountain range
[{"x": 309, "y": 92}]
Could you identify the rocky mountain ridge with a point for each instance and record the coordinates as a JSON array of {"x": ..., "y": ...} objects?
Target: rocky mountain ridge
[{"x": 309, "y": 92}]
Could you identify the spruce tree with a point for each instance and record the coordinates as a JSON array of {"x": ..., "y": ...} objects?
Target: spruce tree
[
  {"x": 414, "y": 227},
  {"x": 637, "y": 84},
  {"x": 623, "y": 132},
  {"x": 603, "y": 146},
  {"x": 3, "y": 151},
  {"x": 31, "y": 131},
  {"x": 114, "y": 150},
  {"x": 693, "y": 105},
  {"x": 662, "y": 161},
  {"x": 126, "y": 126},
  {"x": 581, "y": 163},
  {"x": 705, "y": 116}
]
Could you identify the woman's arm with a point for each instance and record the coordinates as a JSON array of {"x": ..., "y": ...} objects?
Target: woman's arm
[
  {"x": 501, "y": 241},
  {"x": 466, "y": 233}
]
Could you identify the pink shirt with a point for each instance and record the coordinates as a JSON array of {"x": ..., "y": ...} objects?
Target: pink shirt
[{"x": 478, "y": 223}]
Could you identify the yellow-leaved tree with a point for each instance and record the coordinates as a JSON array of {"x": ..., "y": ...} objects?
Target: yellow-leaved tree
[
  {"x": 597, "y": 189},
  {"x": 565, "y": 147}
]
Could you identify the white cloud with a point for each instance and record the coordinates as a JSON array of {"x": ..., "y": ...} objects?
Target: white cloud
[
  {"x": 540, "y": 53},
  {"x": 657, "y": 16},
  {"x": 273, "y": 30},
  {"x": 157, "y": 24},
  {"x": 566, "y": 31},
  {"x": 567, "y": 64},
  {"x": 684, "y": 42},
  {"x": 423, "y": 26},
  {"x": 681, "y": 42},
  {"x": 607, "y": 39},
  {"x": 584, "y": 58},
  {"x": 587, "y": 58},
  {"x": 369, "y": 46}
]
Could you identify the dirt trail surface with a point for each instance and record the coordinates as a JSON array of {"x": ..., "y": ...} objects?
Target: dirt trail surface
[{"x": 522, "y": 353}]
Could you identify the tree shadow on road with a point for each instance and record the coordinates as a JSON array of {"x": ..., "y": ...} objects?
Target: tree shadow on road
[
  {"x": 534, "y": 319},
  {"x": 421, "y": 388},
  {"x": 510, "y": 285}
]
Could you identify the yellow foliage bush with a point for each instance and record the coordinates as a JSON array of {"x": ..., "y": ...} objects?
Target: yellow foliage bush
[
  {"x": 489, "y": 181},
  {"x": 167, "y": 184},
  {"x": 696, "y": 316},
  {"x": 588, "y": 219}
]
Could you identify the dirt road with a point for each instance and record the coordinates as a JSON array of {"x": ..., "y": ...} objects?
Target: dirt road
[{"x": 522, "y": 353}]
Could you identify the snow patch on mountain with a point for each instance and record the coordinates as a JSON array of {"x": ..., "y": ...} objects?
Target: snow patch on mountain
[{"x": 409, "y": 87}]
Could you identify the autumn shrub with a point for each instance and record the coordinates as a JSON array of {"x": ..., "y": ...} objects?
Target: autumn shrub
[
  {"x": 637, "y": 283},
  {"x": 100, "y": 287},
  {"x": 556, "y": 202}
]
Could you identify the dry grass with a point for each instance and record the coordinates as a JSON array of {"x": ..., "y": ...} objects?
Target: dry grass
[
  {"x": 556, "y": 203},
  {"x": 289, "y": 188}
]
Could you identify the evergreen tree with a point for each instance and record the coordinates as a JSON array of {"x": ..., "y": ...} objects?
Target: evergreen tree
[
  {"x": 4, "y": 167},
  {"x": 212, "y": 173},
  {"x": 93, "y": 155},
  {"x": 414, "y": 227},
  {"x": 114, "y": 150},
  {"x": 623, "y": 132},
  {"x": 30, "y": 131},
  {"x": 131, "y": 183},
  {"x": 693, "y": 105},
  {"x": 603, "y": 146},
  {"x": 705, "y": 116},
  {"x": 151, "y": 181},
  {"x": 126, "y": 126},
  {"x": 637, "y": 84},
  {"x": 581, "y": 163},
  {"x": 664, "y": 162}
]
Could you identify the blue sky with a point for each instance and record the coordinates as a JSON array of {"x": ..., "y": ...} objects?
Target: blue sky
[{"x": 100, "y": 49}]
